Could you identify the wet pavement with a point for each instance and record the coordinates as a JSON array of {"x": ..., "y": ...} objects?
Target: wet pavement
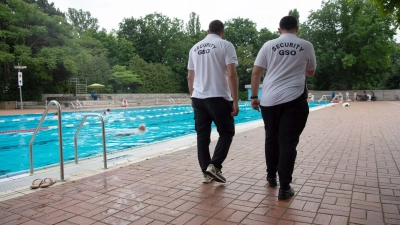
[{"x": 346, "y": 172}]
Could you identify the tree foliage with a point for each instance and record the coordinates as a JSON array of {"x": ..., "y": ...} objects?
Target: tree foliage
[
  {"x": 241, "y": 31},
  {"x": 152, "y": 35},
  {"x": 389, "y": 8},
  {"x": 81, "y": 20},
  {"x": 155, "y": 77},
  {"x": 354, "y": 47},
  {"x": 295, "y": 13},
  {"x": 34, "y": 39},
  {"x": 246, "y": 60},
  {"x": 193, "y": 26},
  {"x": 122, "y": 77},
  {"x": 352, "y": 44}
]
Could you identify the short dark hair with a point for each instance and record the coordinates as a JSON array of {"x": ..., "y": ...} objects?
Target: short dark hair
[
  {"x": 216, "y": 27},
  {"x": 288, "y": 23}
]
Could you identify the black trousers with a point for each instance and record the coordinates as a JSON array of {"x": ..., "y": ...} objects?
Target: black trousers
[
  {"x": 283, "y": 125},
  {"x": 205, "y": 112}
]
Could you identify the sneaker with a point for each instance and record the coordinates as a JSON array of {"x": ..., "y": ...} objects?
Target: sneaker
[
  {"x": 215, "y": 173},
  {"x": 285, "y": 194},
  {"x": 207, "y": 179}
]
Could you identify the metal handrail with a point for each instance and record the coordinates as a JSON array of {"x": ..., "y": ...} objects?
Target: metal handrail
[
  {"x": 73, "y": 106},
  {"x": 77, "y": 105},
  {"x": 104, "y": 138},
  {"x": 53, "y": 102}
]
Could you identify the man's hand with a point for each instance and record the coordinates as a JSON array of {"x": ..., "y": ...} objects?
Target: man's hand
[
  {"x": 235, "y": 109},
  {"x": 255, "y": 104}
]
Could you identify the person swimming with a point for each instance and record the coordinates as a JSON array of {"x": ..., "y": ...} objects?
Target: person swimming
[
  {"x": 106, "y": 112},
  {"x": 141, "y": 128}
]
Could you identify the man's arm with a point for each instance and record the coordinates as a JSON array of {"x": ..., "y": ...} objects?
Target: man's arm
[
  {"x": 312, "y": 64},
  {"x": 255, "y": 85},
  {"x": 255, "y": 79},
  {"x": 234, "y": 87},
  {"x": 190, "y": 81},
  {"x": 310, "y": 73}
]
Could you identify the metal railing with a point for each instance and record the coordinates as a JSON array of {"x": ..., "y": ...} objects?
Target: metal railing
[
  {"x": 104, "y": 138},
  {"x": 53, "y": 102},
  {"x": 323, "y": 98},
  {"x": 77, "y": 104}
]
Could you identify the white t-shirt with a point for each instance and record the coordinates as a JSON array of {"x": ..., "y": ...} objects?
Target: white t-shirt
[
  {"x": 286, "y": 60},
  {"x": 208, "y": 58}
]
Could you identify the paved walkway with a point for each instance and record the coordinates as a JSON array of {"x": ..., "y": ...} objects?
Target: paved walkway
[{"x": 346, "y": 172}]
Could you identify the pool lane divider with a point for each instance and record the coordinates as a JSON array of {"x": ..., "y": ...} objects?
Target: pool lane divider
[
  {"x": 23, "y": 130},
  {"x": 86, "y": 123},
  {"x": 68, "y": 116}
]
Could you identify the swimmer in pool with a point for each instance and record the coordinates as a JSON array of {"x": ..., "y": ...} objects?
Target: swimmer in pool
[{"x": 141, "y": 128}]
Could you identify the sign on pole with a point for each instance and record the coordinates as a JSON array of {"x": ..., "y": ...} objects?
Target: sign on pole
[{"x": 19, "y": 78}]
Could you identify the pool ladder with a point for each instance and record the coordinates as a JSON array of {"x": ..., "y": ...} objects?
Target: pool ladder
[{"x": 53, "y": 102}]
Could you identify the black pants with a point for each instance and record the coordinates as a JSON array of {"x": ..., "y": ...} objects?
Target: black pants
[
  {"x": 283, "y": 125},
  {"x": 205, "y": 112}
]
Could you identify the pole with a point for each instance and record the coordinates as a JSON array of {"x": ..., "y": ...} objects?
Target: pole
[
  {"x": 20, "y": 85},
  {"x": 20, "y": 97}
]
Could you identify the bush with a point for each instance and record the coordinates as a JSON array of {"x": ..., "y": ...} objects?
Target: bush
[{"x": 243, "y": 95}]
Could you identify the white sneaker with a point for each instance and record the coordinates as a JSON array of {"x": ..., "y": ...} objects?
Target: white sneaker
[
  {"x": 215, "y": 173},
  {"x": 207, "y": 179}
]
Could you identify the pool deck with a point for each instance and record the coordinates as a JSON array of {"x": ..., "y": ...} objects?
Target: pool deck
[{"x": 347, "y": 172}]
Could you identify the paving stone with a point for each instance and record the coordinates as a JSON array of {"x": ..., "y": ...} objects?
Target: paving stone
[{"x": 346, "y": 172}]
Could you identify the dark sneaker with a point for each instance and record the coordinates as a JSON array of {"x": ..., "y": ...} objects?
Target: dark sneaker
[
  {"x": 272, "y": 182},
  {"x": 285, "y": 194},
  {"x": 215, "y": 173},
  {"x": 207, "y": 178}
]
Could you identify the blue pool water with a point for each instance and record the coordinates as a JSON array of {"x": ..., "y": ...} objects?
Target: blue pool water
[{"x": 163, "y": 123}]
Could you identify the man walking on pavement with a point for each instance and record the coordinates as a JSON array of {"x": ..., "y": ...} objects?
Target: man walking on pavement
[
  {"x": 213, "y": 86},
  {"x": 284, "y": 108}
]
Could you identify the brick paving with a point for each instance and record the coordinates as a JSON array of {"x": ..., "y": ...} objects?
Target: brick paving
[{"x": 346, "y": 172}]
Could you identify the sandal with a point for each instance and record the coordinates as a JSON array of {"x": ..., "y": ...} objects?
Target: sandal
[
  {"x": 48, "y": 182},
  {"x": 36, "y": 183}
]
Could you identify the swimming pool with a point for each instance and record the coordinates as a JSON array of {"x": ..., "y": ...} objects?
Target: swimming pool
[{"x": 163, "y": 123}]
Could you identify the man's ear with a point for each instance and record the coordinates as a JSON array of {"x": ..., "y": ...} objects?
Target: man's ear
[
  {"x": 279, "y": 31},
  {"x": 208, "y": 31}
]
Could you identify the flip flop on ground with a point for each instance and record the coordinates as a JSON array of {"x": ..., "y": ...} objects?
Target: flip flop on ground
[
  {"x": 48, "y": 182},
  {"x": 36, "y": 183}
]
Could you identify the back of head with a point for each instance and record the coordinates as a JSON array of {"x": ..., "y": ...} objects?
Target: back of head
[
  {"x": 288, "y": 23},
  {"x": 142, "y": 127},
  {"x": 216, "y": 27}
]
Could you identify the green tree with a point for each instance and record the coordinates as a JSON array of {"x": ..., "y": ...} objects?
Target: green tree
[
  {"x": 264, "y": 35},
  {"x": 177, "y": 57},
  {"x": 296, "y": 14},
  {"x": 393, "y": 81},
  {"x": 46, "y": 7},
  {"x": 121, "y": 76},
  {"x": 152, "y": 35},
  {"x": 120, "y": 51},
  {"x": 391, "y": 8},
  {"x": 81, "y": 20},
  {"x": 93, "y": 68},
  {"x": 155, "y": 77},
  {"x": 246, "y": 62},
  {"x": 352, "y": 44},
  {"x": 241, "y": 31},
  {"x": 36, "y": 40},
  {"x": 193, "y": 26}
]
